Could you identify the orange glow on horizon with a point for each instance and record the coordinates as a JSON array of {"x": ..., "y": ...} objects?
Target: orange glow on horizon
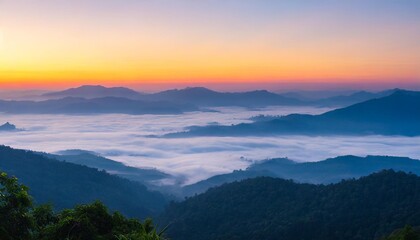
[{"x": 49, "y": 45}]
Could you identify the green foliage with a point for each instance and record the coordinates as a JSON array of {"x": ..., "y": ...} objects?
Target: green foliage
[
  {"x": 407, "y": 233},
  {"x": 271, "y": 209},
  {"x": 19, "y": 220},
  {"x": 15, "y": 203},
  {"x": 146, "y": 231}
]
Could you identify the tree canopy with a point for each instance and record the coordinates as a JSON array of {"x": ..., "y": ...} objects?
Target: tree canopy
[
  {"x": 270, "y": 209},
  {"x": 21, "y": 220}
]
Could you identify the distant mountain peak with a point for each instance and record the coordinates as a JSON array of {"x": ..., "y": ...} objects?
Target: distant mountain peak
[
  {"x": 90, "y": 86},
  {"x": 95, "y": 91},
  {"x": 197, "y": 89},
  {"x": 7, "y": 127},
  {"x": 403, "y": 91}
]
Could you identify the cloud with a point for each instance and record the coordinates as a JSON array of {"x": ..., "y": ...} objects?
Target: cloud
[{"x": 122, "y": 138}]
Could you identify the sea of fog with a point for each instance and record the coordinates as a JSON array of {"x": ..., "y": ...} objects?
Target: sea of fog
[{"x": 124, "y": 138}]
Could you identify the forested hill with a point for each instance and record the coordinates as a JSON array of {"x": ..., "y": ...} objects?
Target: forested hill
[
  {"x": 93, "y": 160},
  {"x": 271, "y": 209},
  {"x": 66, "y": 184}
]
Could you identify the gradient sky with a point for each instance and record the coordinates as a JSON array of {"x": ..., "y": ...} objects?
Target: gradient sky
[{"x": 54, "y": 43}]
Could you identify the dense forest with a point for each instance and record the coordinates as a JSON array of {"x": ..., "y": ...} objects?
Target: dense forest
[
  {"x": 268, "y": 208},
  {"x": 21, "y": 220},
  {"x": 65, "y": 184}
]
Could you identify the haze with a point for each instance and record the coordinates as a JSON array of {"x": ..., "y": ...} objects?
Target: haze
[{"x": 124, "y": 138}]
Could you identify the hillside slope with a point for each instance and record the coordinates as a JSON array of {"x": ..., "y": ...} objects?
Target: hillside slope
[
  {"x": 66, "y": 184},
  {"x": 271, "y": 209}
]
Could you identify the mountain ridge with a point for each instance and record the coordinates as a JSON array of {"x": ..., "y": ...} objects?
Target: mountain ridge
[
  {"x": 104, "y": 105},
  {"x": 396, "y": 114},
  {"x": 331, "y": 170},
  {"x": 65, "y": 184},
  {"x": 270, "y": 208},
  {"x": 94, "y": 91}
]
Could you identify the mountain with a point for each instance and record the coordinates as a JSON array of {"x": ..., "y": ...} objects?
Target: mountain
[
  {"x": 145, "y": 176},
  {"x": 357, "y": 97},
  {"x": 218, "y": 180},
  {"x": 396, "y": 114},
  {"x": 198, "y": 95},
  {"x": 206, "y": 97},
  {"x": 21, "y": 94},
  {"x": 104, "y": 105},
  {"x": 8, "y": 127},
  {"x": 67, "y": 184},
  {"x": 90, "y": 91},
  {"x": 313, "y": 95},
  {"x": 268, "y": 208},
  {"x": 328, "y": 171}
]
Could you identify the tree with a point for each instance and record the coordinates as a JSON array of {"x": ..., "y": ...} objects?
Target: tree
[
  {"x": 20, "y": 220},
  {"x": 15, "y": 205},
  {"x": 407, "y": 233}
]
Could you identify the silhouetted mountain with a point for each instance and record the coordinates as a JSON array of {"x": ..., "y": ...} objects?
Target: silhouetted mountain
[
  {"x": 66, "y": 184},
  {"x": 397, "y": 114},
  {"x": 218, "y": 180},
  {"x": 313, "y": 95},
  {"x": 90, "y": 91},
  {"x": 21, "y": 94},
  {"x": 357, "y": 97},
  {"x": 8, "y": 127},
  {"x": 90, "y": 159},
  {"x": 267, "y": 208},
  {"x": 94, "y": 106},
  {"x": 198, "y": 95},
  {"x": 328, "y": 171},
  {"x": 206, "y": 97}
]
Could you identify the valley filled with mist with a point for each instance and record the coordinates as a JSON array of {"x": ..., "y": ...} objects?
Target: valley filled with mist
[
  {"x": 210, "y": 120},
  {"x": 135, "y": 140},
  {"x": 112, "y": 145}
]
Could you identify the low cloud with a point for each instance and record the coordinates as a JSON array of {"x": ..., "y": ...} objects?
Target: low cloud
[{"x": 122, "y": 138}]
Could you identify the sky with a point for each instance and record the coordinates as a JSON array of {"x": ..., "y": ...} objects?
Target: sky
[{"x": 219, "y": 43}]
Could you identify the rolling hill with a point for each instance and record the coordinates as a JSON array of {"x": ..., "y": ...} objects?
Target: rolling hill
[
  {"x": 145, "y": 176},
  {"x": 328, "y": 171},
  {"x": 66, "y": 184},
  {"x": 267, "y": 208}
]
